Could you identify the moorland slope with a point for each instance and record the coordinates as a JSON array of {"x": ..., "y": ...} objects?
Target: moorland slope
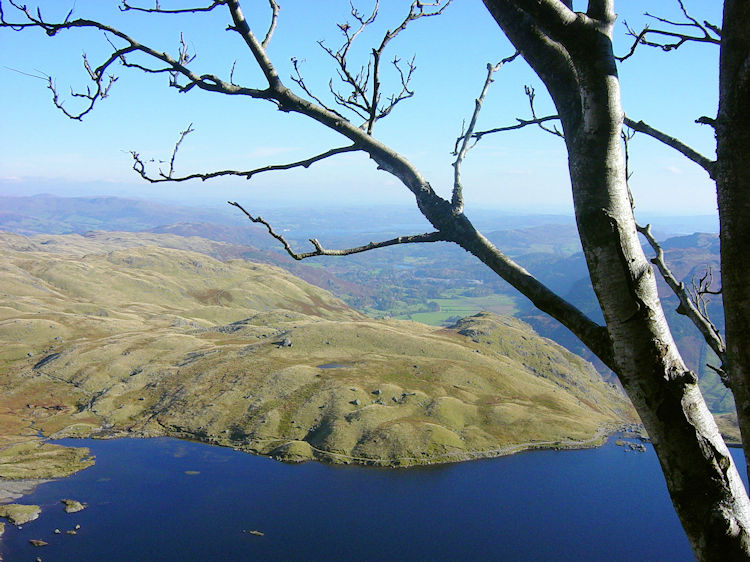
[{"x": 116, "y": 335}]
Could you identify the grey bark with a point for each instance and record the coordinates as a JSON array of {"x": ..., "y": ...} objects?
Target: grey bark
[
  {"x": 572, "y": 54},
  {"x": 733, "y": 194}
]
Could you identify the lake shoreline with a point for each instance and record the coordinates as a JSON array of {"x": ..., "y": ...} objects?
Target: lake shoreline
[
  {"x": 599, "y": 438},
  {"x": 14, "y": 489}
]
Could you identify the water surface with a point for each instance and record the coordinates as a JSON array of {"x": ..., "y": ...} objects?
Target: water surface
[{"x": 165, "y": 499}]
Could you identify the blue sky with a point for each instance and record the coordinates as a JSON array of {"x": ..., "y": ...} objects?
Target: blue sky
[{"x": 43, "y": 151}]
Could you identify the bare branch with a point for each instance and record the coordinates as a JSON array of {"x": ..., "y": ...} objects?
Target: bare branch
[
  {"x": 416, "y": 11},
  {"x": 529, "y": 91},
  {"x": 667, "y": 40},
  {"x": 256, "y": 47},
  {"x": 271, "y": 26},
  {"x": 723, "y": 375},
  {"x": 700, "y": 287},
  {"x": 521, "y": 123},
  {"x": 457, "y": 199},
  {"x": 320, "y": 251},
  {"x": 363, "y": 21},
  {"x": 627, "y": 136},
  {"x": 126, "y": 6},
  {"x": 704, "y": 162},
  {"x": 183, "y": 134},
  {"x": 691, "y": 305},
  {"x": 365, "y": 96},
  {"x": 357, "y": 100},
  {"x": 139, "y": 165},
  {"x": 299, "y": 80},
  {"x": 102, "y": 82},
  {"x": 100, "y": 92},
  {"x": 405, "y": 92}
]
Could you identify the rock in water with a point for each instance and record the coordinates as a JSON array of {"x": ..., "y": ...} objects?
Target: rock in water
[
  {"x": 72, "y": 506},
  {"x": 19, "y": 514}
]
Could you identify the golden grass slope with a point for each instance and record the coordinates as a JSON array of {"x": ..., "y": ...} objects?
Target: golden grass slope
[{"x": 115, "y": 335}]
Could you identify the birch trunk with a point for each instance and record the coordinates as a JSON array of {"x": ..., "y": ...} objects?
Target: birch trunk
[
  {"x": 733, "y": 194},
  {"x": 572, "y": 54}
]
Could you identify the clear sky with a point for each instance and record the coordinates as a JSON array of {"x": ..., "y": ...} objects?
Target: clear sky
[{"x": 43, "y": 151}]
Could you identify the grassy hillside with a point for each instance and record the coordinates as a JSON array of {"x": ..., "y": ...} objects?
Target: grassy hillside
[{"x": 114, "y": 335}]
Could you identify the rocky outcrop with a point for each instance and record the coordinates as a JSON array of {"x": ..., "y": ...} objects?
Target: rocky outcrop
[
  {"x": 73, "y": 506},
  {"x": 18, "y": 514}
]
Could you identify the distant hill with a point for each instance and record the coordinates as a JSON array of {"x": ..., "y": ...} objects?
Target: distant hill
[
  {"x": 49, "y": 214},
  {"x": 116, "y": 334}
]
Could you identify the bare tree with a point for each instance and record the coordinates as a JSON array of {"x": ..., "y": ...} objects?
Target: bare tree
[{"x": 572, "y": 54}]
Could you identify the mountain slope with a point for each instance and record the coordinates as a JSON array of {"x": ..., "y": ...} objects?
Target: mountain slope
[{"x": 114, "y": 335}]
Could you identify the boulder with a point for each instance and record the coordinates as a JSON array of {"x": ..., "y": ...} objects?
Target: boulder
[{"x": 72, "y": 506}]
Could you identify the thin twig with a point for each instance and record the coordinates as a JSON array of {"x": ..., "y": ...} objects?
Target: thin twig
[
  {"x": 272, "y": 25},
  {"x": 457, "y": 199},
  {"x": 667, "y": 40},
  {"x": 103, "y": 82},
  {"x": 183, "y": 134},
  {"x": 126, "y": 6},
  {"x": 364, "y": 96},
  {"x": 521, "y": 123}
]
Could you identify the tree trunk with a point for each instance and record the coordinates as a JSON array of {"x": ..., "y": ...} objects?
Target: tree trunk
[
  {"x": 703, "y": 482},
  {"x": 733, "y": 193}
]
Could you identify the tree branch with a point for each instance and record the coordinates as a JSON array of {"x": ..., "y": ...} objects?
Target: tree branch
[
  {"x": 175, "y": 67},
  {"x": 272, "y": 25},
  {"x": 139, "y": 165},
  {"x": 550, "y": 32},
  {"x": 320, "y": 251},
  {"x": 521, "y": 123},
  {"x": 364, "y": 97},
  {"x": 690, "y": 304},
  {"x": 256, "y": 47},
  {"x": 669, "y": 40},
  {"x": 457, "y": 199},
  {"x": 125, "y": 6},
  {"x": 704, "y": 162},
  {"x": 299, "y": 80}
]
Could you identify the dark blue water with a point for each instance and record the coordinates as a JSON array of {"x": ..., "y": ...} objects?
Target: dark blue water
[{"x": 145, "y": 503}]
